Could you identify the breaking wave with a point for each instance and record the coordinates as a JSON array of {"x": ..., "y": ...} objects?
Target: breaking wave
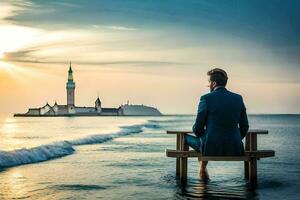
[
  {"x": 36, "y": 154},
  {"x": 62, "y": 148}
]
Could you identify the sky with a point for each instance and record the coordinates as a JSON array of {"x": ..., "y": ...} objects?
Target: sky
[{"x": 149, "y": 52}]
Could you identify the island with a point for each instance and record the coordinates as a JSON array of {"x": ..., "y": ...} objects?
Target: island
[{"x": 71, "y": 110}]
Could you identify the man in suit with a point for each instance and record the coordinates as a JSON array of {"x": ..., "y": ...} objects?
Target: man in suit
[{"x": 221, "y": 121}]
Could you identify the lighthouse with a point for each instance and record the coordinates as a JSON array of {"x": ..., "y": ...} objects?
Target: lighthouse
[{"x": 70, "y": 86}]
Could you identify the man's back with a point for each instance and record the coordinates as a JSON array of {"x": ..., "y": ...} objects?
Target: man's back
[{"x": 222, "y": 123}]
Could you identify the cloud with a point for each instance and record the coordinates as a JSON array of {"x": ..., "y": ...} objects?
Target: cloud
[
  {"x": 8, "y": 10},
  {"x": 67, "y": 4},
  {"x": 118, "y": 28},
  {"x": 121, "y": 28},
  {"x": 17, "y": 55},
  {"x": 29, "y": 55},
  {"x": 24, "y": 57}
]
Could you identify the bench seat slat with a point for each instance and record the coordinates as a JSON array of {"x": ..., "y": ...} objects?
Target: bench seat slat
[
  {"x": 178, "y": 132},
  {"x": 246, "y": 157},
  {"x": 251, "y": 131}
]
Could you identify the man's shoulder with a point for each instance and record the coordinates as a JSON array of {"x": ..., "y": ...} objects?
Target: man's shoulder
[
  {"x": 236, "y": 95},
  {"x": 205, "y": 96}
]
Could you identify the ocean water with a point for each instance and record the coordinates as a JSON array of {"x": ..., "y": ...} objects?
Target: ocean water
[{"x": 124, "y": 158}]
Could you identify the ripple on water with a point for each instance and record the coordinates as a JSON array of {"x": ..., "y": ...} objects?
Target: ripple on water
[
  {"x": 213, "y": 189},
  {"x": 265, "y": 184},
  {"x": 80, "y": 187}
]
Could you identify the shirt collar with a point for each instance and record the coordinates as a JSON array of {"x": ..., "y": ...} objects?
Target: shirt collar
[{"x": 219, "y": 87}]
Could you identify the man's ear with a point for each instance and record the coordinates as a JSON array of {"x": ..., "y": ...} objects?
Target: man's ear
[{"x": 214, "y": 84}]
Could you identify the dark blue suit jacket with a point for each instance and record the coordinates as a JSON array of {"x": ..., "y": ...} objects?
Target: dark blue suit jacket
[{"x": 221, "y": 123}]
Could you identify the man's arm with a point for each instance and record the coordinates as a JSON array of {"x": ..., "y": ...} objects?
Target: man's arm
[
  {"x": 200, "y": 122},
  {"x": 243, "y": 122}
]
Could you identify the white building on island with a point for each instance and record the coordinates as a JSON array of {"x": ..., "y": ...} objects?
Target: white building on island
[{"x": 70, "y": 109}]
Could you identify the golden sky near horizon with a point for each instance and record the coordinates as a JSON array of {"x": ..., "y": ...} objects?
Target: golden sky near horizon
[{"x": 144, "y": 56}]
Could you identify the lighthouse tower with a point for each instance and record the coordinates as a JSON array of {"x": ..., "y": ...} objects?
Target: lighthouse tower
[
  {"x": 98, "y": 105},
  {"x": 70, "y": 92}
]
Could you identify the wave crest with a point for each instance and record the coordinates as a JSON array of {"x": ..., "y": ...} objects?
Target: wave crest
[
  {"x": 36, "y": 154},
  {"x": 62, "y": 148}
]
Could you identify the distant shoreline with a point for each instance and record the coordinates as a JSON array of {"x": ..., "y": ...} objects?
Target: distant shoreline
[
  {"x": 164, "y": 115},
  {"x": 83, "y": 115}
]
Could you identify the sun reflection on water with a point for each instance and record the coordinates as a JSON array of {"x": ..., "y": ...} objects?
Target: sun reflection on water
[
  {"x": 8, "y": 133},
  {"x": 13, "y": 185},
  {"x": 9, "y": 127}
]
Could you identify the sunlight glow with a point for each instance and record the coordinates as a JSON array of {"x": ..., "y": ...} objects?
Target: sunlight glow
[
  {"x": 4, "y": 65},
  {"x": 9, "y": 127},
  {"x": 1, "y": 54},
  {"x": 13, "y": 37},
  {"x": 15, "y": 182}
]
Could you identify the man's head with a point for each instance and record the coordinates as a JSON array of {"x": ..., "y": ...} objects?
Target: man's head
[{"x": 217, "y": 77}]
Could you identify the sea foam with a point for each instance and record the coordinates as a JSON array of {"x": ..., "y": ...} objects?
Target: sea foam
[
  {"x": 36, "y": 154},
  {"x": 62, "y": 148}
]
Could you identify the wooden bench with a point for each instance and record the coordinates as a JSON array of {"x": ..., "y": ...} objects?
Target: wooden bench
[{"x": 250, "y": 157}]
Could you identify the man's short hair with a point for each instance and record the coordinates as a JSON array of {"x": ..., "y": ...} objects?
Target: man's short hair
[{"x": 219, "y": 76}]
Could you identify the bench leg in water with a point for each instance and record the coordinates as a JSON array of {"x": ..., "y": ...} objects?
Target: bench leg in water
[
  {"x": 253, "y": 161},
  {"x": 246, "y": 169},
  {"x": 253, "y": 171},
  {"x": 183, "y": 170},
  {"x": 178, "y": 159},
  {"x": 183, "y": 162},
  {"x": 246, "y": 163},
  {"x": 177, "y": 167}
]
